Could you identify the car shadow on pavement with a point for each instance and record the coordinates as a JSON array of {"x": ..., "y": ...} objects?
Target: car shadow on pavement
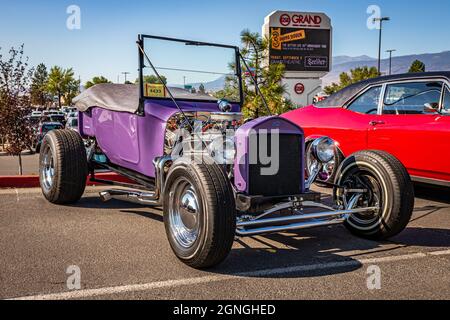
[
  {"x": 432, "y": 193},
  {"x": 312, "y": 248},
  {"x": 94, "y": 202},
  {"x": 423, "y": 237},
  {"x": 321, "y": 247},
  {"x": 145, "y": 214}
]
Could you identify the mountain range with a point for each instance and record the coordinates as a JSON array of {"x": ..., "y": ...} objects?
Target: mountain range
[{"x": 400, "y": 64}]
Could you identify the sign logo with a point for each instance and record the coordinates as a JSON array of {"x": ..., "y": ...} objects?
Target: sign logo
[
  {"x": 285, "y": 20},
  {"x": 300, "y": 20},
  {"x": 299, "y": 88},
  {"x": 316, "y": 62},
  {"x": 278, "y": 38}
]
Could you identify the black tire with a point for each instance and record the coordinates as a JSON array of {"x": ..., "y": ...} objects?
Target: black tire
[
  {"x": 390, "y": 188},
  {"x": 215, "y": 225},
  {"x": 66, "y": 150},
  {"x": 338, "y": 158}
]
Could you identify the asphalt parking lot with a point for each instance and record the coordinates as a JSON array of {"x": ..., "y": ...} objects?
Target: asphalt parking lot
[{"x": 122, "y": 253}]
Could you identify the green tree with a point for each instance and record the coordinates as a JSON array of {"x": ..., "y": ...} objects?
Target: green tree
[
  {"x": 60, "y": 82},
  {"x": 15, "y": 79},
  {"x": 73, "y": 89},
  {"x": 96, "y": 80},
  {"x": 152, "y": 79},
  {"x": 38, "y": 90},
  {"x": 356, "y": 75},
  {"x": 254, "y": 50},
  {"x": 417, "y": 66},
  {"x": 201, "y": 89}
]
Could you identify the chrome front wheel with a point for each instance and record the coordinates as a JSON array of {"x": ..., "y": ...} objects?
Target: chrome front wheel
[
  {"x": 199, "y": 212},
  {"x": 184, "y": 213},
  {"x": 375, "y": 179}
]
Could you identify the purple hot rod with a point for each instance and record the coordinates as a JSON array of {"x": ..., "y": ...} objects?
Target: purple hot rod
[{"x": 216, "y": 175}]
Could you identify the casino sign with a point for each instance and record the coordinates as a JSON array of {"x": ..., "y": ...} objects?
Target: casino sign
[{"x": 300, "y": 41}]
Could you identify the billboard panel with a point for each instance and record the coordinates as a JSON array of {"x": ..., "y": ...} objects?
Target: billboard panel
[{"x": 302, "y": 49}]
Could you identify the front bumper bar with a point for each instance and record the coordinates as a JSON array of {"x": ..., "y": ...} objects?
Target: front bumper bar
[{"x": 296, "y": 222}]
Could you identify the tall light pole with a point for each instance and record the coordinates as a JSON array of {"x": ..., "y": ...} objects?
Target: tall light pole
[
  {"x": 390, "y": 59},
  {"x": 379, "y": 44},
  {"x": 125, "y": 74}
]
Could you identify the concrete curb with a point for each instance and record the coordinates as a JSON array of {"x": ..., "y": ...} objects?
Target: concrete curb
[{"x": 33, "y": 181}]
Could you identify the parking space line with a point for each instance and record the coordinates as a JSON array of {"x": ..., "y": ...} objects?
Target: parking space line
[
  {"x": 89, "y": 293},
  {"x": 440, "y": 253}
]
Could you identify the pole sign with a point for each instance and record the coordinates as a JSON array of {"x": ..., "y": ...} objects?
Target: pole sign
[{"x": 300, "y": 41}]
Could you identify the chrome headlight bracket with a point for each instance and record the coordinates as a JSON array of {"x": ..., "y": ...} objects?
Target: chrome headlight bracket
[{"x": 323, "y": 151}]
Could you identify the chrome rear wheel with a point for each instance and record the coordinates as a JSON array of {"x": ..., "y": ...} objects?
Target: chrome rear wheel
[{"x": 48, "y": 168}]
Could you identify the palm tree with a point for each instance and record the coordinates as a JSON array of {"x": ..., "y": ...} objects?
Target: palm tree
[
  {"x": 254, "y": 50},
  {"x": 60, "y": 82}
]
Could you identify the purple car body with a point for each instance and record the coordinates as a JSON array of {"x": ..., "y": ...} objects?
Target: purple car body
[{"x": 134, "y": 141}]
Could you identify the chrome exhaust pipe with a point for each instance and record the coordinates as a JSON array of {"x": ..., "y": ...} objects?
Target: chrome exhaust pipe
[
  {"x": 144, "y": 198},
  {"x": 148, "y": 198}
]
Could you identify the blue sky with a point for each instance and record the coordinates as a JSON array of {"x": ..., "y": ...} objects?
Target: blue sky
[{"x": 106, "y": 42}]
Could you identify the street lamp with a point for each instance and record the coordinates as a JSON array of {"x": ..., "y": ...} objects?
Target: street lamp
[
  {"x": 379, "y": 45},
  {"x": 390, "y": 59}
]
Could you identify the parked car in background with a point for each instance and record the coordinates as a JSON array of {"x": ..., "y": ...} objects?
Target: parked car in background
[
  {"x": 72, "y": 123},
  {"x": 67, "y": 110},
  {"x": 73, "y": 114},
  {"x": 54, "y": 118},
  {"x": 405, "y": 115},
  {"x": 58, "y": 118},
  {"x": 50, "y": 112},
  {"x": 321, "y": 96},
  {"x": 33, "y": 121},
  {"x": 43, "y": 129},
  {"x": 36, "y": 114}
]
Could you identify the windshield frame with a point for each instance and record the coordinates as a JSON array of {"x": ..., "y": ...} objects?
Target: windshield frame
[{"x": 142, "y": 98}]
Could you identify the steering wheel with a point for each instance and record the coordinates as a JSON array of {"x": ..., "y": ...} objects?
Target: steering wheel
[{"x": 371, "y": 111}]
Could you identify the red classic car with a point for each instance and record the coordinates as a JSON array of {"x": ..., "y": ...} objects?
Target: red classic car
[{"x": 405, "y": 115}]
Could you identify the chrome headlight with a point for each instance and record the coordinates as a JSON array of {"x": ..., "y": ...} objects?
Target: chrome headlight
[
  {"x": 324, "y": 149},
  {"x": 222, "y": 150},
  {"x": 224, "y": 105}
]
